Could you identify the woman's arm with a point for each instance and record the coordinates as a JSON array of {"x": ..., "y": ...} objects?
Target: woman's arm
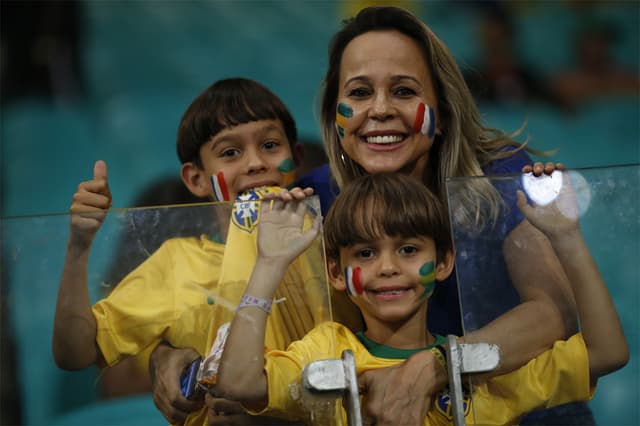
[
  {"x": 547, "y": 309},
  {"x": 166, "y": 364}
]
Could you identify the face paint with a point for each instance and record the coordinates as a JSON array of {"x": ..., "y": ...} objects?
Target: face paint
[
  {"x": 343, "y": 113},
  {"x": 425, "y": 121},
  {"x": 288, "y": 170},
  {"x": 354, "y": 281},
  {"x": 427, "y": 278},
  {"x": 220, "y": 190}
]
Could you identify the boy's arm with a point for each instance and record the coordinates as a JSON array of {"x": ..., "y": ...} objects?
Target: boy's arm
[
  {"x": 601, "y": 327},
  {"x": 280, "y": 240},
  {"x": 74, "y": 331}
]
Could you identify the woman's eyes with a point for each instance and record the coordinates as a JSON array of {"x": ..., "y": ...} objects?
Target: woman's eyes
[
  {"x": 359, "y": 92},
  {"x": 404, "y": 92}
]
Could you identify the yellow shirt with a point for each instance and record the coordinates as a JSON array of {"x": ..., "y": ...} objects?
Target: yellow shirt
[
  {"x": 555, "y": 377},
  {"x": 189, "y": 287}
]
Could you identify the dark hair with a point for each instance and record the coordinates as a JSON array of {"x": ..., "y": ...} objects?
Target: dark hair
[
  {"x": 380, "y": 204},
  {"x": 228, "y": 103}
]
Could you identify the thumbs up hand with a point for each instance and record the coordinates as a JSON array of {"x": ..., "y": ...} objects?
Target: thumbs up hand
[{"x": 89, "y": 206}]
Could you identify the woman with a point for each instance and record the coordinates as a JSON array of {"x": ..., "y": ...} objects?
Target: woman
[
  {"x": 394, "y": 100},
  {"x": 387, "y": 72}
]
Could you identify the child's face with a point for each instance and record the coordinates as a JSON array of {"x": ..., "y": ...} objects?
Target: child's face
[
  {"x": 396, "y": 276},
  {"x": 248, "y": 155}
]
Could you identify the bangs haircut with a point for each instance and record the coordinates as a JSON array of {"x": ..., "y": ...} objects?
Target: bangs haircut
[
  {"x": 228, "y": 103},
  {"x": 392, "y": 204}
]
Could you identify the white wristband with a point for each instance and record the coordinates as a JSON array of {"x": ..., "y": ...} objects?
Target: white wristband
[{"x": 263, "y": 304}]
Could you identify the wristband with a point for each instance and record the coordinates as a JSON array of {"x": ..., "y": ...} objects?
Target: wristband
[
  {"x": 248, "y": 301},
  {"x": 440, "y": 355}
]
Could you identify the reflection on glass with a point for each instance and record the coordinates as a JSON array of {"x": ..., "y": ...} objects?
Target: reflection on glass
[
  {"x": 174, "y": 273},
  {"x": 609, "y": 210}
]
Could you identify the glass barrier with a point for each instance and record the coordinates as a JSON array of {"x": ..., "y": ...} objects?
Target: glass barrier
[
  {"x": 490, "y": 249},
  {"x": 173, "y": 272}
]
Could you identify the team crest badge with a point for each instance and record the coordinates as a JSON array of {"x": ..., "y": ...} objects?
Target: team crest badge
[
  {"x": 246, "y": 208},
  {"x": 443, "y": 403}
]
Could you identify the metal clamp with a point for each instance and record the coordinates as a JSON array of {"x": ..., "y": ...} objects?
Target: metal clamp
[
  {"x": 467, "y": 358},
  {"x": 336, "y": 376}
]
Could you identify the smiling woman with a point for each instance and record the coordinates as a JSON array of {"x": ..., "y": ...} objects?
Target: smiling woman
[{"x": 375, "y": 86}]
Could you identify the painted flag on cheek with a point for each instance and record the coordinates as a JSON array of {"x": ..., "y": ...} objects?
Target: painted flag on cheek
[
  {"x": 425, "y": 121},
  {"x": 427, "y": 278},
  {"x": 288, "y": 170},
  {"x": 353, "y": 280},
  {"x": 220, "y": 190},
  {"x": 343, "y": 113}
]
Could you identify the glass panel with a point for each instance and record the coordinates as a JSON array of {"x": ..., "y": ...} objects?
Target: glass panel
[
  {"x": 183, "y": 267},
  {"x": 609, "y": 219}
]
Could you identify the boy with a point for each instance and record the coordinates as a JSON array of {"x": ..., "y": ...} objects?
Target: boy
[
  {"x": 387, "y": 245},
  {"x": 243, "y": 135}
]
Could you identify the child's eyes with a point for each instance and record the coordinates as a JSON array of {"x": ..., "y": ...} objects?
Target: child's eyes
[
  {"x": 269, "y": 145},
  {"x": 230, "y": 152},
  {"x": 365, "y": 253},
  {"x": 408, "y": 249}
]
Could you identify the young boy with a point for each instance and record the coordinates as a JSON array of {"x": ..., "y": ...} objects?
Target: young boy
[
  {"x": 387, "y": 244},
  {"x": 242, "y": 135}
]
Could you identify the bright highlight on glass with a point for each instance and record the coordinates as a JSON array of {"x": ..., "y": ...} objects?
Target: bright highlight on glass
[{"x": 542, "y": 189}]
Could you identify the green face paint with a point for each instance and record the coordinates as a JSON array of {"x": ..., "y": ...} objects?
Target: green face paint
[
  {"x": 286, "y": 166},
  {"x": 344, "y": 112},
  {"x": 427, "y": 278},
  {"x": 288, "y": 170}
]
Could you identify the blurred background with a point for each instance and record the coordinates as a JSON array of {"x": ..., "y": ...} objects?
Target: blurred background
[{"x": 88, "y": 80}]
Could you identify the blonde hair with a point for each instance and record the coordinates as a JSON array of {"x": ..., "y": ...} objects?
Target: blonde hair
[{"x": 465, "y": 144}]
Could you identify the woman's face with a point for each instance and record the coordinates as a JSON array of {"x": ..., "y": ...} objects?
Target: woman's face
[{"x": 385, "y": 97}]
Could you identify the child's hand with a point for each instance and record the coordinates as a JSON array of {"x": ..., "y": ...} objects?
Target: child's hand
[
  {"x": 89, "y": 206},
  {"x": 556, "y": 218},
  {"x": 280, "y": 236},
  {"x": 538, "y": 168}
]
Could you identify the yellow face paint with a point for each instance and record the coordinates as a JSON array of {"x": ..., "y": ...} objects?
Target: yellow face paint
[{"x": 288, "y": 170}]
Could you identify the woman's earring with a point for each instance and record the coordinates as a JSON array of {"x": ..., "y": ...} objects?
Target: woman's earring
[{"x": 344, "y": 162}]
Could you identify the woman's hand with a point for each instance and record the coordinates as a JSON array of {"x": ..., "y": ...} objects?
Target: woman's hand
[
  {"x": 402, "y": 394},
  {"x": 165, "y": 367}
]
